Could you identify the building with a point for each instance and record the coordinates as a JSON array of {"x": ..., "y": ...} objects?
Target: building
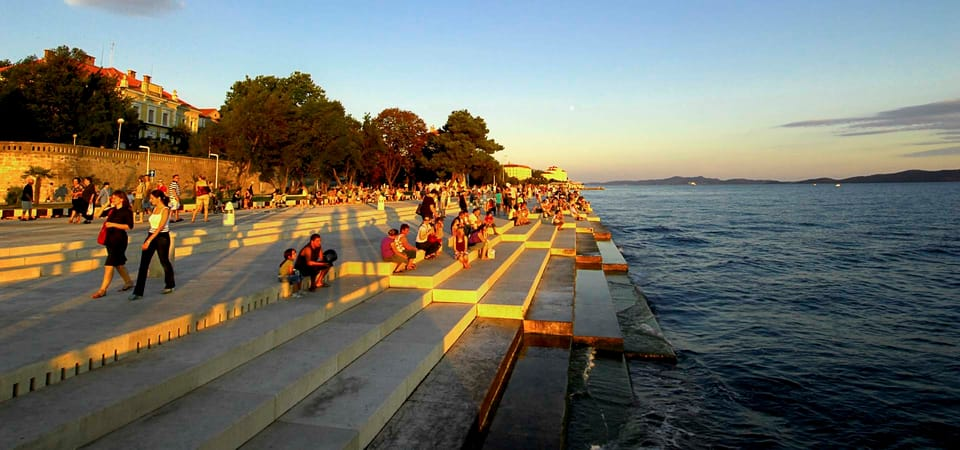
[
  {"x": 159, "y": 111},
  {"x": 554, "y": 173},
  {"x": 518, "y": 171}
]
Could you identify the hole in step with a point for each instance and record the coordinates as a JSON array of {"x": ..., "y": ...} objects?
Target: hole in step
[
  {"x": 116, "y": 356},
  {"x": 63, "y": 373},
  {"x": 103, "y": 359},
  {"x": 16, "y": 389},
  {"x": 138, "y": 346},
  {"x": 148, "y": 343},
  {"x": 33, "y": 386},
  {"x": 90, "y": 364},
  {"x": 49, "y": 375},
  {"x": 76, "y": 368}
]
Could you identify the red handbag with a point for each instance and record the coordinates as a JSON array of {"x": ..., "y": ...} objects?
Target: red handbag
[{"x": 102, "y": 237}]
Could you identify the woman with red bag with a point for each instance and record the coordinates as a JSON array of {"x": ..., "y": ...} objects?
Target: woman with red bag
[{"x": 119, "y": 221}]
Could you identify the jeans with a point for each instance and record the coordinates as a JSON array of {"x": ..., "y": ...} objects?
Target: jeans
[{"x": 161, "y": 246}]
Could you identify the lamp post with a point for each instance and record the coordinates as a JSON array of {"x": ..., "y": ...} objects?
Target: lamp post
[
  {"x": 74, "y": 139},
  {"x": 144, "y": 147},
  {"x": 119, "y": 129},
  {"x": 216, "y": 175}
]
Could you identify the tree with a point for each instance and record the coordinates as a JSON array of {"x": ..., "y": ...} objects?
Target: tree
[
  {"x": 50, "y": 100},
  {"x": 404, "y": 135},
  {"x": 461, "y": 147}
]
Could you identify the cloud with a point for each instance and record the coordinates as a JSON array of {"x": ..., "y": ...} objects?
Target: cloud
[
  {"x": 145, "y": 8},
  {"x": 939, "y": 119},
  {"x": 949, "y": 151}
]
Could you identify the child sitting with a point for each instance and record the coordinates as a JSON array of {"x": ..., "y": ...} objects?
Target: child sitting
[
  {"x": 558, "y": 219},
  {"x": 460, "y": 246},
  {"x": 288, "y": 276}
]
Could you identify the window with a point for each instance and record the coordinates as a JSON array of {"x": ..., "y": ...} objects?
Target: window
[
  {"x": 150, "y": 116},
  {"x": 166, "y": 119}
]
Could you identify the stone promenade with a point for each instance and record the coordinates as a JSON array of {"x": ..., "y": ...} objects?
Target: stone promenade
[{"x": 224, "y": 362}]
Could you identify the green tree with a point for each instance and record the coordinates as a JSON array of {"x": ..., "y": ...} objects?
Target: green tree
[
  {"x": 50, "y": 100},
  {"x": 462, "y": 147},
  {"x": 404, "y": 135}
]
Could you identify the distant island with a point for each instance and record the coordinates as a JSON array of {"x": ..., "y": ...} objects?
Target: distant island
[{"x": 907, "y": 176}]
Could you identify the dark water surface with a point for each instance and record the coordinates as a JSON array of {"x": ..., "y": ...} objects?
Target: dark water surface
[{"x": 803, "y": 316}]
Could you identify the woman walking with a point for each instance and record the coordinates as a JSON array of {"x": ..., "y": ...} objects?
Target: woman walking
[
  {"x": 202, "y": 194},
  {"x": 158, "y": 241},
  {"x": 119, "y": 220}
]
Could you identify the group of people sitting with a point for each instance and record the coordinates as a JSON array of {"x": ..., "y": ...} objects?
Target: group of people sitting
[{"x": 311, "y": 262}]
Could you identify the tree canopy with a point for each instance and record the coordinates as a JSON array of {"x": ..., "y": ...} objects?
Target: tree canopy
[
  {"x": 53, "y": 99},
  {"x": 462, "y": 147},
  {"x": 404, "y": 135}
]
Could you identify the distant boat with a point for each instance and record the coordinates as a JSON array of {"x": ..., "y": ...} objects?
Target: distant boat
[
  {"x": 692, "y": 183},
  {"x": 836, "y": 185}
]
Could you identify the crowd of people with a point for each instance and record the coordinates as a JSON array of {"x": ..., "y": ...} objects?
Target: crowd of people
[{"x": 472, "y": 209}]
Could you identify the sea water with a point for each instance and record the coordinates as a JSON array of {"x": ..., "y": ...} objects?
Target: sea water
[{"x": 803, "y": 316}]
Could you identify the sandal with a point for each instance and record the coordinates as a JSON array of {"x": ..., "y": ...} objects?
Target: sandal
[
  {"x": 99, "y": 294},
  {"x": 125, "y": 288}
]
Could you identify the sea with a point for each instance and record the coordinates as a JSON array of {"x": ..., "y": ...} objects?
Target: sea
[{"x": 803, "y": 316}]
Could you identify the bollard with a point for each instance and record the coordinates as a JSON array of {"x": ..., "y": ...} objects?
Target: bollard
[
  {"x": 229, "y": 218},
  {"x": 380, "y": 200}
]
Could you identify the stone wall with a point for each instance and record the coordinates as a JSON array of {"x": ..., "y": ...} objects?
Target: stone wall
[{"x": 118, "y": 167}]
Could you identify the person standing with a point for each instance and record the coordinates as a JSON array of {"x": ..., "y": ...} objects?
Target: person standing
[
  {"x": 311, "y": 264},
  {"x": 119, "y": 221},
  {"x": 26, "y": 201},
  {"x": 158, "y": 241},
  {"x": 176, "y": 197},
  {"x": 428, "y": 208},
  {"x": 138, "y": 198},
  {"x": 104, "y": 197},
  {"x": 202, "y": 192},
  {"x": 89, "y": 196},
  {"x": 78, "y": 206}
]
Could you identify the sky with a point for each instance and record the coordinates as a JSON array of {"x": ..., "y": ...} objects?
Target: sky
[{"x": 607, "y": 90}]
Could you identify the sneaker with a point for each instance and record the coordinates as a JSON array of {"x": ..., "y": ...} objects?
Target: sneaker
[
  {"x": 134, "y": 297},
  {"x": 166, "y": 290}
]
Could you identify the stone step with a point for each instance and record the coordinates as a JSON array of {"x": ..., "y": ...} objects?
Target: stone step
[
  {"x": 595, "y": 319},
  {"x": 520, "y": 233},
  {"x": 542, "y": 237},
  {"x": 643, "y": 337},
  {"x": 564, "y": 242},
  {"x": 207, "y": 294},
  {"x": 612, "y": 259},
  {"x": 81, "y": 409},
  {"x": 454, "y": 402},
  {"x": 469, "y": 285},
  {"x": 510, "y": 296},
  {"x": 351, "y": 408},
  {"x": 247, "y": 399},
  {"x": 588, "y": 253},
  {"x": 532, "y": 410},
  {"x": 551, "y": 311},
  {"x": 34, "y": 261}
]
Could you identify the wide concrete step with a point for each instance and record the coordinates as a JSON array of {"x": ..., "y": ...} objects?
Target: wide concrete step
[
  {"x": 588, "y": 254},
  {"x": 510, "y": 296},
  {"x": 454, "y": 402},
  {"x": 350, "y": 409},
  {"x": 551, "y": 310},
  {"x": 612, "y": 259},
  {"x": 469, "y": 285},
  {"x": 532, "y": 410},
  {"x": 564, "y": 242},
  {"x": 521, "y": 233},
  {"x": 241, "y": 280},
  {"x": 247, "y": 399},
  {"x": 542, "y": 237},
  {"x": 80, "y": 255},
  {"x": 81, "y": 409},
  {"x": 595, "y": 319}
]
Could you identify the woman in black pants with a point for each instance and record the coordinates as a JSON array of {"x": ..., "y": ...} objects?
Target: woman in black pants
[{"x": 158, "y": 241}]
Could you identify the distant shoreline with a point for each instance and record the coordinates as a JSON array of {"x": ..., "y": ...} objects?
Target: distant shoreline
[{"x": 907, "y": 176}]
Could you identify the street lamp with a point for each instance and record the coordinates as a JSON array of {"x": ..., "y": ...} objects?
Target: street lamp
[
  {"x": 74, "y": 139},
  {"x": 119, "y": 129},
  {"x": 144, "y": 147},
  {"x": 216, "y": 176}
]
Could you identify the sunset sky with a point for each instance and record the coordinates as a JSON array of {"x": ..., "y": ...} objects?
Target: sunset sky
[{"x": 637, "y": 89}]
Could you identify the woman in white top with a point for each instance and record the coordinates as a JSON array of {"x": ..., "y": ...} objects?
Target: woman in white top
[{"x": 158, "y": 241}]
